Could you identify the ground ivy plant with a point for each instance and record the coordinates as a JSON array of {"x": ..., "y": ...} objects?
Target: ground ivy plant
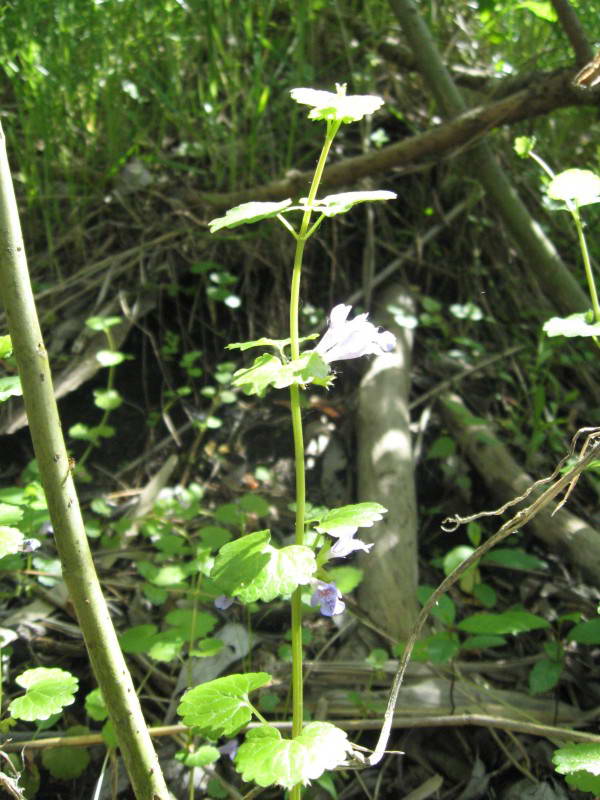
[{"x": 251, "y": 568}]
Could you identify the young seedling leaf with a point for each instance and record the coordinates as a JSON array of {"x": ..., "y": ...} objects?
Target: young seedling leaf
[
  {"x": 336, "y": 107},
  {"x": 513, "y": 622},
  {"x": 268, "y": 760},
  {"x": 221, "y": 707},
  {"x": 95, "y": 706},
  {"x": 347, "y": 520},
  {"x": 48, "y": 691},
  {"x": 544, "y": 675},
  {"x": 586, "y": 632},
  {"x": 340, "y": 203},
  {"x": 64, "y": 762},
  {"x": 246, "y": 213},
  {"x": 579, "y": 186},
  {"x": 11, "y": 541},
  {"x": 573, "y": 325}
]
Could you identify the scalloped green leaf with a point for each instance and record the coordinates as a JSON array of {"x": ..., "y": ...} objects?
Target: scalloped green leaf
[
  {"x": 573, "y": 325},
  {"x": 65, "y": 762},
  {"x": 11, "y": 541},
  {"x": 336, "y": 107},
  {"x": 513, "y": 622},
  {"x": 268, "y": 370},
  {"x": 48, "y": 691},
  {"x": 342, "y": 202},
  {"x": 268, "y": 759},
  {"x": 248, "y": 213},
  {"x": 347, "y": 520},
  {"x": 580, "y": 186},
  {"x": 575, "y": 757},
  {"x": 251, "y": 569},
  {"x": 221, "y": 707}
]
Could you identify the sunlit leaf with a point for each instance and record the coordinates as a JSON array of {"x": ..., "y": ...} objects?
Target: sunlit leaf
[
  {"x": 246, "y": 213},
  {"x": 48, "y": 691}
]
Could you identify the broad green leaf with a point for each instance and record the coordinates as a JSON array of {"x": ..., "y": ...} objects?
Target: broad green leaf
[
  {"x": 254, "y": 504},
  {"x": 186, "y": 619},
  {"x": 64, "y": 762},
  {"x": 513, "y": 557},
  {"x": 575, "y": 758},
  {"x": 221, "y": 707},
  {"x": 482, "y": 642},
  {"x": 486, "y": 594},
  {"x": 268, "y": 370},
  {"x": 102, "y": 323},
  {"x": 513, "y": 622},
  {"x": 10, "y": 514},
  {"x": 444, "y": 609},
  {"x": 214, "y": 536},
  {"x": 95, "y": 706},
  {"x": 110, "y": 358},
  {"x": 11, "y": 541},
  {"x": 338, "y": 107},
  {"x": 107, "y": 399},
  {"x": 167, "y": 645},
  {"x": 5, "y": 346},
  {"x": 438, "y": 648},
  {"x": 278, "y": 344},
  {"x": 346, "y": 520},
  {"x": 246, "y": 213},
  {"x": 586, "y": 632},
  {"x": 207, "y": 648},
  {"x": 286, "y": 569},
  {"x": 10, "y": 386},
  {"x": 334, "y": 204},
  {"x": 201, "y": 757},
  {"x": 48, "y": 691},
  {"x": 580, "y": 186},
  {"x": 573, "y": 325},
  {"x": 251, "y": 569},
  {"x": 138, "y": 639},
  {"x": 169, "y": 575},
  {"x": 346, "y": 578},
  {"x": 268, "y": 760},
  {"x": 544, "y": 675}
]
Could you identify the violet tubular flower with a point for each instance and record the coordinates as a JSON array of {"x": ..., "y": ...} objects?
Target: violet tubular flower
[
  {"x": 329, "y": 598},
  {"x": 348, "y": 544},
  {"x": 353, "y": 338}
]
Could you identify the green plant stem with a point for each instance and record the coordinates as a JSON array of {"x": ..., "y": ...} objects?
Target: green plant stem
[
  {"x": 296, "y": 411},
  {"x": 78, "y": 569},
  {"x": 587, "y": 265}
]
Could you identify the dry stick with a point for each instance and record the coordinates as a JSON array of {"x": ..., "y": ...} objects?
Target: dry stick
[
  {"x": 71, "y": 541},
  {"x": 520, "y": 518}
]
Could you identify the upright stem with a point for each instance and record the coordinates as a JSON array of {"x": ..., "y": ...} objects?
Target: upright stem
[
  {"x": 79, "y": 573},
  {"x": 296, "y": 621}
]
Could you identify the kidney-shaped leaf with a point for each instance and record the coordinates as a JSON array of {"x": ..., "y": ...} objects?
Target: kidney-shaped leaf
[
  {"x": 48, "y": 692},
  {"x": 221, "y": 707},
  {"x": 267, "y": 759},
  {"x": 581, "y": 186}
]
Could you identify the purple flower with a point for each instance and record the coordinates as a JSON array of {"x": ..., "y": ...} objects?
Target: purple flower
[
  {"x": 222, "y": 602},
  {"x": 352, "y": 338},
  {"x": 329, "y": 598},
  {"x": 230, "y": 748},
  {"x": 348, "y": 544}
]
